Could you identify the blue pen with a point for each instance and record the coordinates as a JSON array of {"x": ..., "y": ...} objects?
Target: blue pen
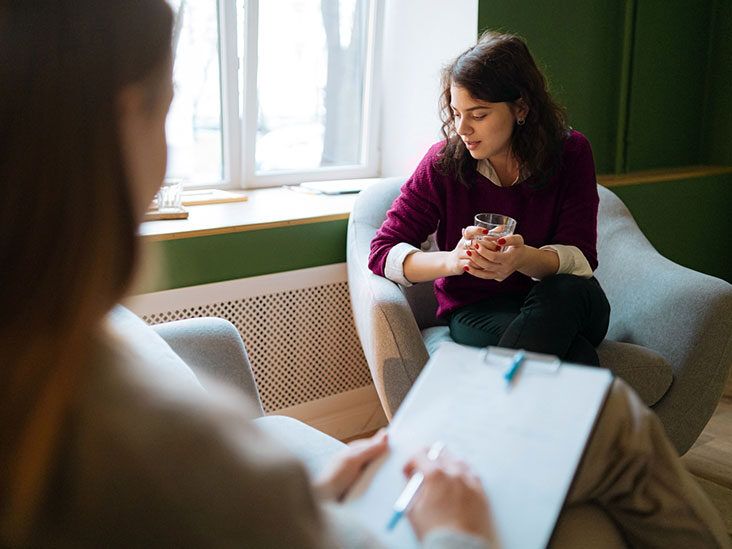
[
  {"x": 401, "y": 505},
  {"x": 518, "y": 359}
]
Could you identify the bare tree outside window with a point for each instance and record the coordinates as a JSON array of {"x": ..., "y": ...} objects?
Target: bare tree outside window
[
  {"x": 344, "y": 87},
  {"x": 194, "y": 124},
  {"x": 311, "y": 64}
]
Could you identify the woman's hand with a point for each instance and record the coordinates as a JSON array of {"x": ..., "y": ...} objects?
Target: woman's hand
[
  {"x": 451, "y": 497},
  {"x": 341, "y": 473},
  {"x": 489, "y": 262},
  {"x": 458, "y": 261}
]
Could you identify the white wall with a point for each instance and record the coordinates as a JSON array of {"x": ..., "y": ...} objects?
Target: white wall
[{"x": 420, "y": 37}]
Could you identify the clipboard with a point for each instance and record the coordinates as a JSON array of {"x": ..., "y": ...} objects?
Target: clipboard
[{"x": 525, "y": 440}]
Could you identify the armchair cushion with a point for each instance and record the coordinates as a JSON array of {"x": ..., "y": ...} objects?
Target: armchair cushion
[
  {"x": 434, "y": 337},
  {"x": 643, "y": 368}
]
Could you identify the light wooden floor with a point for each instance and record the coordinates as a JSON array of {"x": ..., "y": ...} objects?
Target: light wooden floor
[{"x": 710, "y": 459}]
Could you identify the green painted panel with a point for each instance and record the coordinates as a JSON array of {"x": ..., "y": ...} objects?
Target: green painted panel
[
  {"x": 688, "y": 221},
  {"x": 668, "y": 82},
  {"x": 201, "y": 260},
  {"x": 717, "y": 139},
  {"x": 578, "y": 44}
]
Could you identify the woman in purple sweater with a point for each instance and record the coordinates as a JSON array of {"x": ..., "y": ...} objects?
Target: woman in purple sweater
[{"x": 507, "y": 150}]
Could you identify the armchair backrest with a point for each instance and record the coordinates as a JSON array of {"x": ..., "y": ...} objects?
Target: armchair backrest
[
  {"x": 683, "y": 315},
  {"x": 385, "y": 322}
]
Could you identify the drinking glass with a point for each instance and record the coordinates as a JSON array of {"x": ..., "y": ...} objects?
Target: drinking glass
[
  {"x": 498, "y": 225},
  {"x": 170, "y": 194}
]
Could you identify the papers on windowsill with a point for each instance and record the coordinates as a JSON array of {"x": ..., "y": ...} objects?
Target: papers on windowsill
[{"x": 343, "y": 186}]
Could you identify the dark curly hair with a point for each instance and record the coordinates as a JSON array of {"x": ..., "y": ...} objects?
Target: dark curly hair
[{"x": 500, "y": 68}]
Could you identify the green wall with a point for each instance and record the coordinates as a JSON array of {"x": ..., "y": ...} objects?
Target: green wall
[
  {"x": 688, "y": 221},
  {"x": 668, "y": 83},
  {"x": 648, "y": 81},
  {"x": 570, "y": 40},
  {"x": 201, "y": 260},
  {"x": 717, "y": 137}
]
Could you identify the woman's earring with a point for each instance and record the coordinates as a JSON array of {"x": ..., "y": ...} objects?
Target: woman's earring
[{"x": 521, "y": 121}]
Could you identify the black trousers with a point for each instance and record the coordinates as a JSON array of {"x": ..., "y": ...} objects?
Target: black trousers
[{"x": 563, "y": 315}]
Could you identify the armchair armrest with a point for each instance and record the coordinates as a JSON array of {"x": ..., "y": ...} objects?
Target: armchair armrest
[
  {"x": 214, "y": 346},
  {"x": 385, "y": 323},
  {"x": 684, "y": 315}
]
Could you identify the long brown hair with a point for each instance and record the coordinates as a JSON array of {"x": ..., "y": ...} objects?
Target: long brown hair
[
  {"x": 67, "y": 226},
  {"x": 500, "y": 68}
]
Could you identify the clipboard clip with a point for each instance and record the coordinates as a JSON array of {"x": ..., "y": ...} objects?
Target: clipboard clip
[{"x": 534, "y": 363}]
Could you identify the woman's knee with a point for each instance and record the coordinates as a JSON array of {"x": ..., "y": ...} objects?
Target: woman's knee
[
  {"x": 467, "y": 334},
  {"x": 564, "y": 289}
]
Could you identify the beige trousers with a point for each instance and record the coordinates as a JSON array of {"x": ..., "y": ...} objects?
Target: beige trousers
[{"x": 632, "y": 474}]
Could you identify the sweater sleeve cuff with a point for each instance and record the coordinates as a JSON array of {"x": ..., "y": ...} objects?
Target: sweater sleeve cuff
[
  {"x": 571, "y": 260},
  {"x": 444, "y": 538},
  {"x": 394, "y": 267}
]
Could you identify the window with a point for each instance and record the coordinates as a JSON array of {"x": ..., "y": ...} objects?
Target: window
[
  {"x": 194, "y": 124},
  {"x": 270, "y": 92}
]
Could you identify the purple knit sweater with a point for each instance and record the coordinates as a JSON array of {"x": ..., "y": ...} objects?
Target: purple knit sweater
[{"x": 564, "y": 211}]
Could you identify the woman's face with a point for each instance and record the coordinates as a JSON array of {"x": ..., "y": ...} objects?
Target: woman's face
[
  {"x": 142, "y": 126},
  {"x": 484, "y": 127}
]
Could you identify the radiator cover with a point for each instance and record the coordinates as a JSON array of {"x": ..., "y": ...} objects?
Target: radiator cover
[{"x": 297, "y": 327}]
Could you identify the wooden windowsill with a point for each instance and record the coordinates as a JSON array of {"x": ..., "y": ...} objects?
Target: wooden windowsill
[
  {"x": 264, "y": 209},
  {"x": 279, "y": 207}
]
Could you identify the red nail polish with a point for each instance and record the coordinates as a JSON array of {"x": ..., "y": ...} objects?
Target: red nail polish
[
  {"x": 485, "y": 231},
  {"x": 476, "y": 247},
  {"x": 466, "y": 268},
  {"x": 501, "y": 241},
  {"x": 470, "y": 253}
]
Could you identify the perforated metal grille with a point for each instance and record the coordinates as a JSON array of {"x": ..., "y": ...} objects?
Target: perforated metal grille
[{"x": 302, "y": 343}]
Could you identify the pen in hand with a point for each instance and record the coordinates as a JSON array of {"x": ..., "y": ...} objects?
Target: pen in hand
[{"x": 401, "y": 505}]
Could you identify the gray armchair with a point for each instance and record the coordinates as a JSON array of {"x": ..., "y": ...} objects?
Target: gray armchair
[
  {"x": 213, "y": 348},
  {"x": 670, "y": 328}
]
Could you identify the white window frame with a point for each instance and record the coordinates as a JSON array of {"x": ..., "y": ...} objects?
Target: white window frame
[
  {"x": 230, "y": 83},
  {"x": 239, "y": 131}
]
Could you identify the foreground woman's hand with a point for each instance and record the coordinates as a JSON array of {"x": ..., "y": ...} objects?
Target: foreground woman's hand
[
  {"x": 343, "y": 471},
  {"x": 451, "y": 497}
]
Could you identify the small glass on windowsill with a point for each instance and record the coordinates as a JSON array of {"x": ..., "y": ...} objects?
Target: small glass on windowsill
[{"x": 167, "y": 202}]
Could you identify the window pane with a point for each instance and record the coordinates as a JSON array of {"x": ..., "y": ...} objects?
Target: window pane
[
  {"x": 194, "y": 123},
  {"x": 310, "y": 80}
]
